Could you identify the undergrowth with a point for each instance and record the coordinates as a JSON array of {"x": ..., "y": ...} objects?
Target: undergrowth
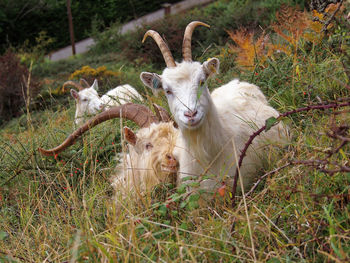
[{"x": 63, "y": 208}]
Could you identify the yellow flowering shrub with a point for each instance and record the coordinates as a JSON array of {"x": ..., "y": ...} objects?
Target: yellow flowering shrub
[{"x": 90, "y": 74}]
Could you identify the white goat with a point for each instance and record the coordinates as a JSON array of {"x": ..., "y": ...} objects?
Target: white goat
[
  {"x": 149, "y": 159},
  {"x": 89, "y": 103},
  {"x": 214, "y": 128}
]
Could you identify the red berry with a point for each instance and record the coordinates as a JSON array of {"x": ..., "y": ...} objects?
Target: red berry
[{"x": 222, "y": 190}]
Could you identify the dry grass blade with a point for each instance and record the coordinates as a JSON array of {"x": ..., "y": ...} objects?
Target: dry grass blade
[{"x": 281, "y": 231}]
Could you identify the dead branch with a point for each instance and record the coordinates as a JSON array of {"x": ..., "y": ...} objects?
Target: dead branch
[
  {"x": 264, "y": 176},
  {"x": 326, "y": 23},
  {"x": 332, "y": 105},
  {"x": 321, "y": 5}
]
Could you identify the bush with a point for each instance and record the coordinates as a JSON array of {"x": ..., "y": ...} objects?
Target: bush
[{"x": 13, "y": 86}]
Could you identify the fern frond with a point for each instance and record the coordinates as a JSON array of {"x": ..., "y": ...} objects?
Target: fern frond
[{"x": 248, "y": 51}]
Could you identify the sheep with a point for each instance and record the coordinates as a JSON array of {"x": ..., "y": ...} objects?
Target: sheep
[
  {"x": 89, "y": 103},
  {"x": 150, "y": 158},
  {"x": 213, "y": 127}
]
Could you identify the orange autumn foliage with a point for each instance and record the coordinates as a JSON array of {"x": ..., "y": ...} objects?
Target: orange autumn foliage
[
  {"x": 248, "y": 50},
  {"x": 291, "y": 26}
]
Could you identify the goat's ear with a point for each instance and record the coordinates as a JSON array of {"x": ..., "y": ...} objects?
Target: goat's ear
[
  {"x": 211, "y": 66},
  {"x": 151, "y": 80},
  {"x": 95, "y": 85},
  {"x": 74, "y": 93},
  {"x": 130, "y": 136}
]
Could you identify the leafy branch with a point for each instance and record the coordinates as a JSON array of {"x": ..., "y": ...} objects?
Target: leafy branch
[
  {"x": 340, "y": 134},
  {"x": 321, "y": 6}
]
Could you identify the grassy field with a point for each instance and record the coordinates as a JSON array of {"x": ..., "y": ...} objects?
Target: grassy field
[{"x": 63, "y": 208}]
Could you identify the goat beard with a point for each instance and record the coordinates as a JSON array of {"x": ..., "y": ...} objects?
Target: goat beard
[{"x": 161, "y": 172}]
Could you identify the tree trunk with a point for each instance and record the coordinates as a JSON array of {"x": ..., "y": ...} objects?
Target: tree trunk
[{"x": 71, "y": 29}]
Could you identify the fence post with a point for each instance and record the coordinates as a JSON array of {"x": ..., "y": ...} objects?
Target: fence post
[
  {"x": 71, "y": 28},
  {"x": 167, "y": 9}
]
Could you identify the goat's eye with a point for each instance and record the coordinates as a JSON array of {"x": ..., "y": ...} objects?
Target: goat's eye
[
  {"x": 149, "y": 146},
  {"x": 84, "y": 100},
  {"x": 169, "y": 92}
]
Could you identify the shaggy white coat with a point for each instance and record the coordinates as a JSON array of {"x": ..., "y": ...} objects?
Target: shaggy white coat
[{"x": 210, "y": 142}]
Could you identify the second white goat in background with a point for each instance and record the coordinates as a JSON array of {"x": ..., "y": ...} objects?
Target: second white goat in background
[{"x": 88, "y": 102}]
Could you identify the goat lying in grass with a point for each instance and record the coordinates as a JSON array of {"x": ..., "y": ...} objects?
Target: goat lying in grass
[
  {"x": 214, "y": 128},
  {"x": 89, "y": 103},
  {"x": 150, "y": 158}
]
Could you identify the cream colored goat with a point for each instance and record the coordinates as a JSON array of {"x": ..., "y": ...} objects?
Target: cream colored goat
[{"x": 149, "y": 159}]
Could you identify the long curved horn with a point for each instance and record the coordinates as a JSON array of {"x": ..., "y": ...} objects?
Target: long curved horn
[
  {"x": 169, "y": 60},
  {"x": 137, "y": 113},
  {"x": 72, "y": 83},
  {"x": 83, "y": 82},
  {"x": 163, "y": 115},
  {"x": 186, "y": 44}
]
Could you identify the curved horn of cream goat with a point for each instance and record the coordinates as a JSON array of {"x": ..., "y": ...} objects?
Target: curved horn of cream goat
[
  {"x": 161, "y": 113},
  {"x": 137, "y": 113}
]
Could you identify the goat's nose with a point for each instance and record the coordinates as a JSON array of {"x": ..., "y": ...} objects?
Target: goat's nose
[
  {"x": 190, "y": 113},
  {"x": 169, "y": 156},
  {"x": 171, "y": 159}
]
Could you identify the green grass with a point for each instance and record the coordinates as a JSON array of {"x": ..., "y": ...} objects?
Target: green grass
[{"x": 64, "y": 208}]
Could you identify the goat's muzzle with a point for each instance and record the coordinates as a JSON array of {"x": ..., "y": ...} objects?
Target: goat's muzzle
[{"x": 170, "y": 164}]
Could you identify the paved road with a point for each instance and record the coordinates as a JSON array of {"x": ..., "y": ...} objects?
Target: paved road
[{"x": 83, "y": 46}]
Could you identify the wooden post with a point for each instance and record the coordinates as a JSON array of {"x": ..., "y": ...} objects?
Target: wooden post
[
  {"x": 167, "y": 9},
  {"x": 71, "y": 29}
]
